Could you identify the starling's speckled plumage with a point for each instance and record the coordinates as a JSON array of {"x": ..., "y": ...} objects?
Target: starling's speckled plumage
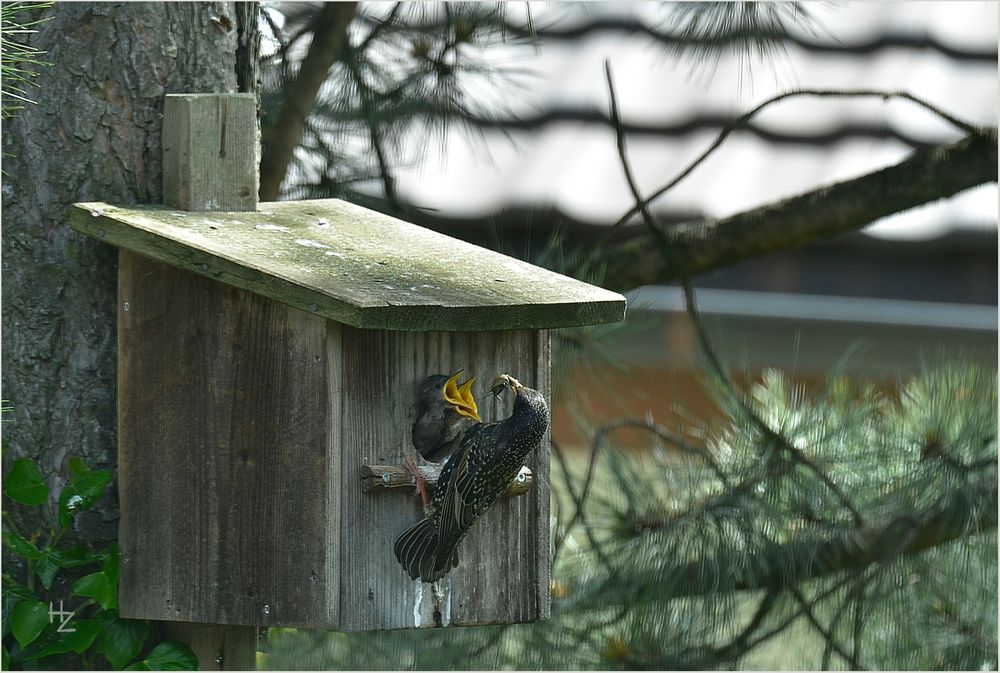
[
  {"x": 444, "y": 410},
  {"x": 473, "y": 479}
]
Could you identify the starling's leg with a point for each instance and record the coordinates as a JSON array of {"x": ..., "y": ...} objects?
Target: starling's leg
[{"x": 412, "y": 468}]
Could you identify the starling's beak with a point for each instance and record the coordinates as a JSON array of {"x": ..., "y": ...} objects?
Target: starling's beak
[
  {"x": 461, "y": 397},
  {"x": 470, "y": 409},
  {"x": 504, "y": 381}
]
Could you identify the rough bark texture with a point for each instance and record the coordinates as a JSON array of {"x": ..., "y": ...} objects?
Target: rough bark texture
[
  {"x": 94, "y": 135},
  {"x": 683, "y": 250},
  {"x": 248, "y": 48}
]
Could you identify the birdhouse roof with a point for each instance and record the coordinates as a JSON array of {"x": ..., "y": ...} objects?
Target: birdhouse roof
[{"x": 355, "y": 266}]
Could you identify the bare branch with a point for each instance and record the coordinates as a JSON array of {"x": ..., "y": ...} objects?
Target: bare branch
[
  {"x": 964, "y": 126},
  {"x": 329, "y": 40},
  {"x": 579, "y": 513},
  {"x": 696, "y": 247},
  {"x": 682, "y": 128},
  {"x": 828, "y": 635},
  {"x": 623, "y": 155}
]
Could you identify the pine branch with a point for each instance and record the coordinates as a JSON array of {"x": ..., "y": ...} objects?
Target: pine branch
[
  {"x": 329, "y": 40},
  {"x": 856, "y": 550},
  {"x": 774, "y": 437},
  {"x": 629, "y": 26},
  {"x": 697, "y": 247},
  {"x": 374, "y": 129}
]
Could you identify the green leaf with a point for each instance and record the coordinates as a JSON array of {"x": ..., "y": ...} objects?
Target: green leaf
[
  {"x": 77, "y": 466},
  {"x": 111, "y": 564},
  {"x": 139, "y": 666},
  {"x": 28, "y": 620},
  {"x": 10, "y": 601},
  {"x": 21, "y": 546},
  {"x": 120, "y": 639},
  {"x": 74, "y": 557},
  {"x": 170, "y": 655},
  {"x": 24, "y": 483},
  {"x": 12, "y": 587},
  {"x": 99, "y": 587},
  {"x": 47, "y": 568},
  {"x": 82, "y": 491},
  {"x": 83, "y": 634},
  {"x": 5, "y": 662}
]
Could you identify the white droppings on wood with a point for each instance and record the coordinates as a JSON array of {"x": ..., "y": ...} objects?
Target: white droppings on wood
[
  {"x": 310, "y": 243},
  {"x": 446, "y": 612},
  {"x": 418, "y": 596}
]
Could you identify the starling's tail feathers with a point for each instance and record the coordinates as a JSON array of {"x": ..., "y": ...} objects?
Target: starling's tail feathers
[
  {"x": 416, "y": 543},
  {"x": 417, "y": 551}
]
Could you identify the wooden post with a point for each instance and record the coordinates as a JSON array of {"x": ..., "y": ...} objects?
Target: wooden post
[{"x": 210, "y": 150}]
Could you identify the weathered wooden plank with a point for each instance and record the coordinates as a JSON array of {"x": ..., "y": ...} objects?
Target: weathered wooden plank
[
  {"x": 224, "y": 425},
  {"x": 209, "y": 163},
  {"x": 354, "y": 265},
  {"x": 498, "y": 577},
  {"x": 218, "y": 648},
  {"x": 210, "y": 151},
  {"x": 542, "y": 534},
  {"x": 334, "y": 483}
]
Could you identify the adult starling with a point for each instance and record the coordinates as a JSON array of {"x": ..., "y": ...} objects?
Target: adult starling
[
  {"x": 489, "y": 456},
  {"x": 444, "y": 411}
]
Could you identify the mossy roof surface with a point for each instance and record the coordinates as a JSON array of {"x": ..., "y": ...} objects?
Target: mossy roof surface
[{"x": 354, "y": 265}]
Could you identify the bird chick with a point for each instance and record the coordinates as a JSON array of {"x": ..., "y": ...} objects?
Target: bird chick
[
  {"x": 444, "y": 411},
  {"x": 488, "y": 458}
]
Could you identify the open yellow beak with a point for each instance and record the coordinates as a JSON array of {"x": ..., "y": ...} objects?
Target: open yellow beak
[
  {"x": 461, "y": 396},
  {"x": 471, "y": 409}
]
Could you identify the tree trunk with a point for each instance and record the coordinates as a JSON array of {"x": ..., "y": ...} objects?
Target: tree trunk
[{"x": 93, "y": 135}]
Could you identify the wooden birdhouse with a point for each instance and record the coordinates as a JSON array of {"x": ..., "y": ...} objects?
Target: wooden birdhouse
[{"x": 268, "y": 356}]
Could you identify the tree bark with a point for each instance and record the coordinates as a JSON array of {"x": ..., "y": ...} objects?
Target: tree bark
[
  {"x": 681, "y": 251},
  {"x": 93, "y": 135}
]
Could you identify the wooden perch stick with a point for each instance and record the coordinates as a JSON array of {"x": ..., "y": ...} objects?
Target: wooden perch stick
[{"x": 382, "y": 477}]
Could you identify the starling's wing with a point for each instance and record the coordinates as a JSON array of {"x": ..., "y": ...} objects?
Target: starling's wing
[{"x": 462, "y": 501}]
